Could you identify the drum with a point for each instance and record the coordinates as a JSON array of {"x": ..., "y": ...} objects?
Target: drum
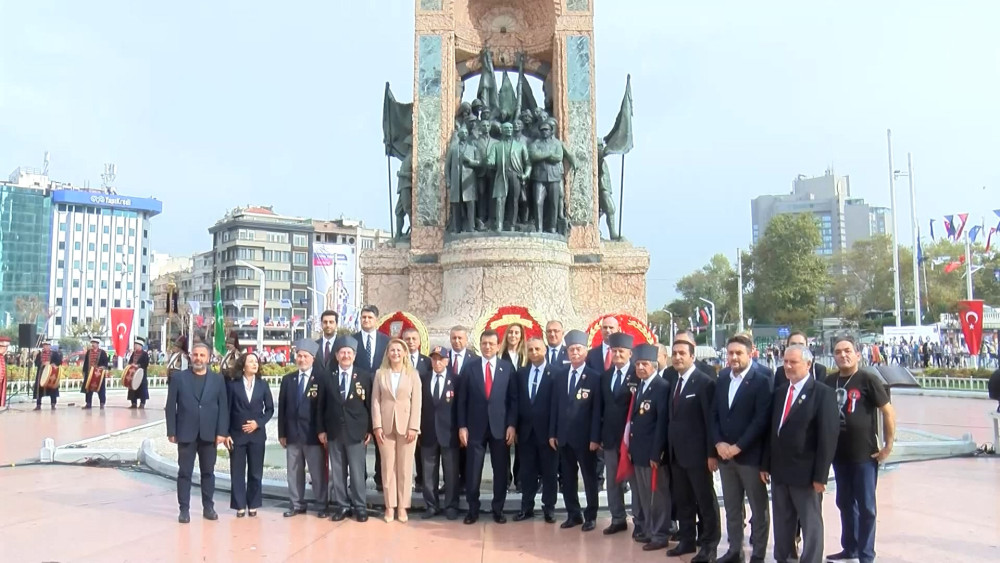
[
  {"x": 128, "y": 375},
  {"x": 96, "y": 378},
  {"x": 50, "y": 377},
  {"x": 140, "y": 376}
]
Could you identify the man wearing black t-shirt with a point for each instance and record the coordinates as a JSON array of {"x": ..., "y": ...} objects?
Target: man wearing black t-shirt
[{"x": 860, "y": 394}]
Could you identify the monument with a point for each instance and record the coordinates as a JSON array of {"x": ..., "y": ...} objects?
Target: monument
[{"x": 502, "y": 192}]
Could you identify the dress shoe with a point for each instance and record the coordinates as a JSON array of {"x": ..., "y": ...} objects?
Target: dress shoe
[
  {"x": 451, "y": 513},
  {"x": 142, "y": 406},
  {"x": 550, "y": 518},
  {"x": 52, "y": 407},
  {"x": 86, "y": 407},
  {"x": 361, "y": 516},
  {"x": 210, "y": 514},
  {"x": 37, "y": 408},
  {"x": 654, "y": 545},
  {"x": 431, "y": 513},
  {"x": 757, "y": 559},
  {"x": 252, "y": 513},
  {"x": 523, "y": 515},
  {"x": 499, "y": 518},
  {"x": 615, "y": 527},
  {"x": 102, "y": 407},
  {"x": 184, "y": 517},
  {"x": 636, "y": 531},
  {"x": 842, "y": 556},
  {"x": 402, "y": 516},
  {"x": 338, "y": 515},
  {"x": 132, "y": 406},
  {"x": 292, "y": 512},
  {"x": 732, "y": 557},
  {"x": 588, "y": 526},
  {"x": 241, "y": 513},
  {"x": 470, "y": 518},
  {"x": 682, "y": 548},
  {"x": 325, "y": 513},
  {"x": 641, "y": 538},
  {"x": 705, "y": 555},
  {"x": 571, "y": 522}
]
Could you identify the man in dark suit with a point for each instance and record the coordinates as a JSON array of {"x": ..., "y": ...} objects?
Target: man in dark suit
[
  {"x": 818, "y": 371},
  {"x": 599, "y": 357},
  {"x": 539, "y": 460},
  {"x": 298, "y": 432},
  {"x": 487, "y": 415},
  {"x": 44, "y": 357},
  {"x": 421, "y": 363},
  {"x": 325, "y": 356},
  {"x": 197, "y": 414},
  {"x": 740, "y": 420},
  {"x": 692, "y": 455},
  {"x": 798, "y": 453},
  {"x": 459, "y": 338},
  {"x": 95, "y": 358},
  {"x": 439, "y": 435},
  {"x": 344, "y": 426},
  {"x": 371, "y": 350},
  {"x": 617, "y": 386},
  {"x": 555, "y": 352},
  {"x": 647, "y": 447}
]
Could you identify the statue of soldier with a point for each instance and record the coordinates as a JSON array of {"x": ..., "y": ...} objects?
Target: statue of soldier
[
  {"x": 513, "y": 168},
  {"x": 484, "y": 173},
  {"x": 547, "y": 155},
  {"x": 460, "y": 177},
  {"x": 404, "y": 203},
  {"x": 605, "y": 201},
  {"x": 527, "y": 120}
]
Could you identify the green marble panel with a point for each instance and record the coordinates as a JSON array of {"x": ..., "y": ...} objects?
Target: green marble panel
[
  {"x": 435, "y": 5},
  {"x": 429, "y": 167},
  {"x": 582, "y": 143}
]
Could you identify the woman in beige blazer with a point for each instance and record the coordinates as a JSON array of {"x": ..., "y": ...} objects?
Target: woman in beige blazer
[{"x": 396, "y": 398}]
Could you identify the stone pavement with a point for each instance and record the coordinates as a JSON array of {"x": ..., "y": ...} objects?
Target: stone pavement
[{"x": 937, "y": 511}]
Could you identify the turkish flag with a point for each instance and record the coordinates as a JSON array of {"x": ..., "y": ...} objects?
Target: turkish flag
[
  {"x": 121, "y": 329},
  {"x": 625, "y": 467},
  {"x": 970, "y": 314}
]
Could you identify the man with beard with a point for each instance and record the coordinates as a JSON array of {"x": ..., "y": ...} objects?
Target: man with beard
[{"x": 326, "y": 357}]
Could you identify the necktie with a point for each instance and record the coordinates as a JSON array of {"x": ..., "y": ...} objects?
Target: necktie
[
  {"x": 788, "y": 405},
  {"x": 617, "y": 382},
  {"x": 437, "y": 386},
  {"x": 552, "y": 356},
  {"x": 534, "y": 385},
  {"x": 302, "y": 384},
  {"x": 572, "y": 383},
  {"x": 370, "y": 351},
  {"x": 677, "y": 391},
  {"x": 415, "y": 357},
  {"x": 329, "y": 349},
  {"x": 343, "y": 384},
  {"x": 489, "y": 380},
  {"x": 607, "y": 360},
  {"x": 455, "y": 364}
]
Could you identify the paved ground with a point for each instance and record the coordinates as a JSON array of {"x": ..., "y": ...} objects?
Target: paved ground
[{"x": 936, "y": 511}]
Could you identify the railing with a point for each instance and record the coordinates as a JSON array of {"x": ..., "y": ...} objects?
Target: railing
[
  {"x": 23, "y": 386},
  {"x": 949, "y": 383}
]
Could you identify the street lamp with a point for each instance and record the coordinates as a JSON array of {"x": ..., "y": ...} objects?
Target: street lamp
[
  {"x": 670, "y": 331},
  {"x": 713, "y": 319},
  {"x": 260, "y": 305}
]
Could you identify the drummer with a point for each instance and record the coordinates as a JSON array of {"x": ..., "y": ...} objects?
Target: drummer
[
  {"x": 43, "y": 359},
  {"x": 94, "y": 360},
  {"x": 139, "y": 357},
  {"x": 179, "y": 359}
]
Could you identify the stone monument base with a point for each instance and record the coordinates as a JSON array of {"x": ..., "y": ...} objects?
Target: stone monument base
[{"x": 476, "y": 274}]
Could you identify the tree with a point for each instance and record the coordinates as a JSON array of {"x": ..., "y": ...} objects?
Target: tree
[
  {"x": 788, "y": 277},
  {"x": 87, "y": 329},
  {"x": 715, "y": 281},
  {"x": 861, "y": 279},
  {"x": 29, "y": 309}
]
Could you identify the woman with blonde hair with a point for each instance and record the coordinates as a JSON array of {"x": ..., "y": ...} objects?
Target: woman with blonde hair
[
  {"x": 396, "y": 400},
  {"x": 515, "y": 347}
]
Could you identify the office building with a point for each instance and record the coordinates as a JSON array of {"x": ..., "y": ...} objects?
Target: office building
[
  {"x": 337, "y": 246},
  {"x": 25, "y": 231}
]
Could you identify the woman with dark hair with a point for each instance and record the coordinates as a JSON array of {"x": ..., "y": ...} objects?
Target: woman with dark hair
[{"x": 251, "y": 405}]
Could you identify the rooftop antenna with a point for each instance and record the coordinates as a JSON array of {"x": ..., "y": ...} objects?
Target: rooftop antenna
[
  {"x": 110, "y": 172},
  {"x": 45, "y": 164}
]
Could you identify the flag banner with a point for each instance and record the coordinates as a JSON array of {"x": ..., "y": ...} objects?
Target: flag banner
[
  {"x": 121, "y": 329},
  {"x": 195, "y": 307},
  {"x": 963, "y": 218},
  {"x": 397, "y": 125},
  {"x": 971, "y": 314},
  {"x": 989, "y": 238},
  {"x": 949, "y": 226},
  {"x": 219, "y": 341},
  {"x": 974, "y": 232},
  {"x": 932, "y": 229},
  {"x": 619, "y": 140}
]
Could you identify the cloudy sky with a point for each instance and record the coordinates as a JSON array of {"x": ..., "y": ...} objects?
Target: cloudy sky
[{"x": 208, "y": 105}]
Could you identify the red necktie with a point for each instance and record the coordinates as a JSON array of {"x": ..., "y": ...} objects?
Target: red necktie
[
  {"x": 489, "y": 380},
  {"x": 607, "y": 360},
  {"x": 788, "y": 405}
]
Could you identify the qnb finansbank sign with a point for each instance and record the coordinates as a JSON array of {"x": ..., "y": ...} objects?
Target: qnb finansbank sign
[{"x": 149, "y": 206}]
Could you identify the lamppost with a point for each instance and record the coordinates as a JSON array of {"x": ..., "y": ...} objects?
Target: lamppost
[
  {"x": 712, "y": 305},
  {"x": 260, "y": 305}
]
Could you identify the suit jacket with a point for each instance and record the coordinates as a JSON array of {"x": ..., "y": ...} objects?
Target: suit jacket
[
  {"x": 439, "y": 416},
  {"x": 423, "y": 365},
  {"x": 468, "y": 356},
  {"x": 329, "y": 363},
  {"x": 801, "y": 451},
  {"x": 534, "y": 416},
  {"x": 297, "y": 412},
  {"x": 781, "y": 380},
  {"x": 562, "y": 357},
  {"x": 648, "y": 431},
  {"x": 746, "y": 423},
  {"x": 595, "y": 358},
  {"x": 361, "y": 361},
  {"x": 614, "y": 407},
  {"x": 522, "y": 359},
  {"x": 689, "y": 434},
  {"x": 190, "y": 418},
  {"x": 487, "y": 417},
  {"x": 399, "y": 412},
  {"x": 576, "y": 414},
  {"x": 350, "y": 417},
  {"x": 260, "y": 407}
]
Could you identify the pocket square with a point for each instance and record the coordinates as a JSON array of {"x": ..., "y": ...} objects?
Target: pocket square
[{"x": 689, "y": 396}]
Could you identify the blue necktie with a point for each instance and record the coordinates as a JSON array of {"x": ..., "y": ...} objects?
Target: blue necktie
[
  {"x": 572, "y": 383},
  {"x": 534, "y": 385}
]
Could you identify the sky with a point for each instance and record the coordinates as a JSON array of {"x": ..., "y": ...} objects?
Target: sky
[{"x": 210, "y": 105}]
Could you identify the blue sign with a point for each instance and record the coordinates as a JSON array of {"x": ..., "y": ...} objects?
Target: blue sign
[
  {"x": 111, "y": 201},
  {"x": 783, "y": 332}
]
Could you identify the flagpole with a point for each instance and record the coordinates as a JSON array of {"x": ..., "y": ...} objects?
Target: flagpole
[
  {"x": 739, "y": 284},
  {"x": 916, "y": 240},
  {"x": 388, "y": 174},
  {"x": 621, "y": 197},
  {"x": 968, "y": 267},
  {"x": 895, "y": 233}
]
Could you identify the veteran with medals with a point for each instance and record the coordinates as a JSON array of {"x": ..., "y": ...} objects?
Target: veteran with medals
[
  {"x": 647, "y": 447},
  {"x": 297, "y": 429},
  {"x": 95, "y": 372}
]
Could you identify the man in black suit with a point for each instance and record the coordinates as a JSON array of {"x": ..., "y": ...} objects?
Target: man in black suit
[
  {"x": 818, "y": 371},
  {"x": 692, "y": 454},
  {"x": 599, "y": 357},
  {"x": 539, "y": 460},
  {"x": 197, "y": 414},
  {"x": 326, "y": 357},
  {"x": 575, "y": 430},
  {"x": 95, "y": 358},
  {"x": 344, "y": 426},
  {"x": 487, "y": 415},
  {"x": 740, "y": 419},
  {"x": 647, "y": 447},
  {"x": 555, "y": 352},
  {"x": 459, "y": 338},
  {"x": 617, "y": 386},
  {"x": 371, "y": 350},
  {"x": 421, "y": 363},
  {"x": 439, "y": 435},
  {"x": 298, "y": 433},
  {"x": 798, "y": 452}
]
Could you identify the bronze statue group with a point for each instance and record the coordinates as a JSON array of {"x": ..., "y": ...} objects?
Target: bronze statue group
[{"x": 645, "y": 418}]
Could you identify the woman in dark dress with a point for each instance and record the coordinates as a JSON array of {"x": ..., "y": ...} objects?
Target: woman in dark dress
[{"x": 251, "y": 405}]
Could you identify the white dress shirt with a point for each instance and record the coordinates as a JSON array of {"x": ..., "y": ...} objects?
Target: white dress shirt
[
  {"x": 736, "y": 379},
  {"x": 394, "y": 381},
  {"x": 249, "y": 388},
  {"x": 795, "y": 389},
  {"x": 437, "y": 384},
  {"x": 682, "y": 379},
  {"x": 457, "y": 359},
  {"x": 493, "y": 367}
]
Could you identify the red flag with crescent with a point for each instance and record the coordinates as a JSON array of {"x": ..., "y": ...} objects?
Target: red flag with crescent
[
  {"x": 970, "y": 314},
  {"x": 121, "y": 329}
]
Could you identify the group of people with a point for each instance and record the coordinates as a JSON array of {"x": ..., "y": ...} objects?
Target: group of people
[{"x": 646, "y": 417}]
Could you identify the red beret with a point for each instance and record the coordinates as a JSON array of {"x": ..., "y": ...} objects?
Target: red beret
[{"x": 5, "y": 339}]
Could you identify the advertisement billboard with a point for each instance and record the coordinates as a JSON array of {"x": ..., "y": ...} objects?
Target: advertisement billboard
[{"x": 335, "y": 267}]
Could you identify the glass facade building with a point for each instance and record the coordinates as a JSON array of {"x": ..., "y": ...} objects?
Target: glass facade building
[{"x": 25, "y": 234}]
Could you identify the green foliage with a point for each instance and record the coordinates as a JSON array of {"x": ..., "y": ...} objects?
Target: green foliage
[
  {"x": 958, "y": 372},
  {"x": 716, "y": 281}
]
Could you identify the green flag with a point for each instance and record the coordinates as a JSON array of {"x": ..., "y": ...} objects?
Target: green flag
[
  {"x": 619, "y": 140},
  {"x": 220, "y": 322}
]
